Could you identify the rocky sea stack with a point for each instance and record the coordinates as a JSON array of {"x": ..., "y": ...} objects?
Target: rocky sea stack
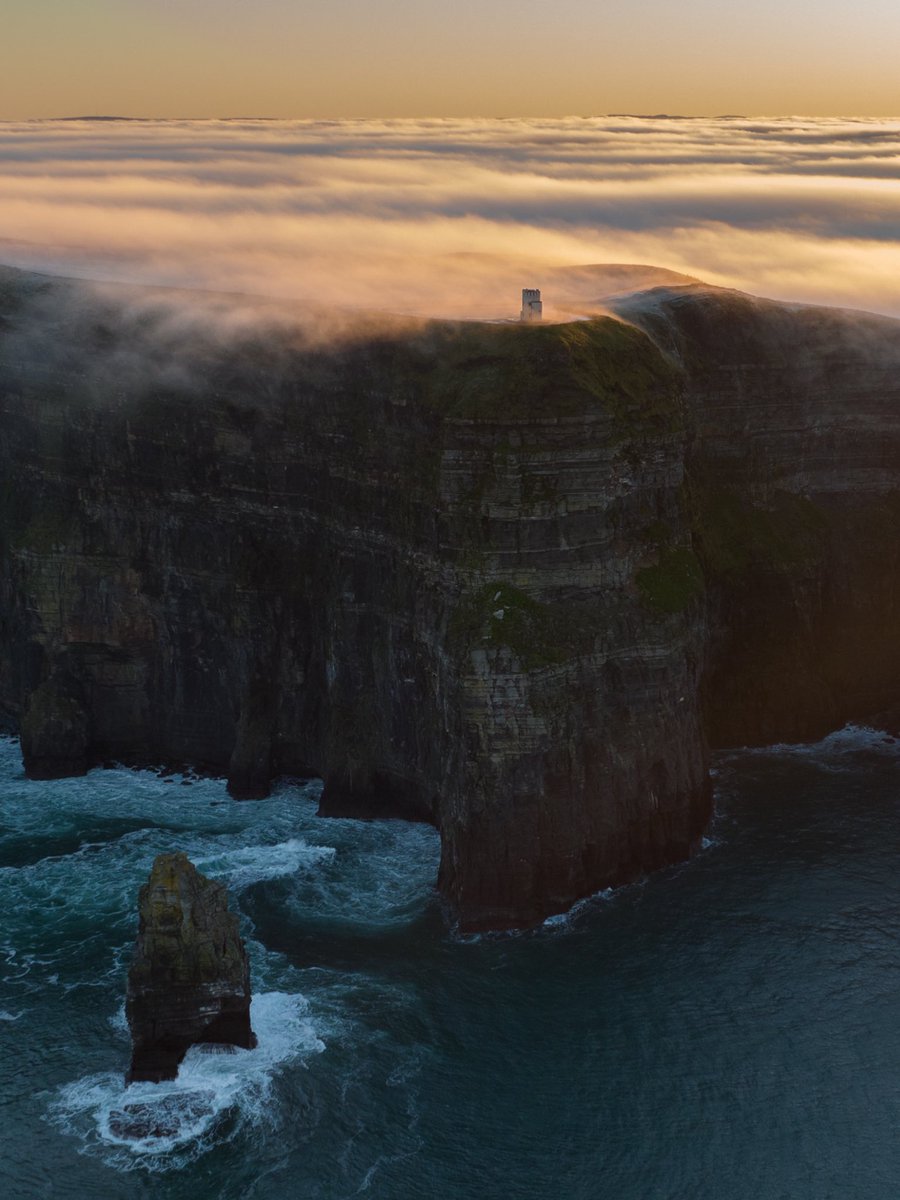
[{"x": 189, "y": 982}]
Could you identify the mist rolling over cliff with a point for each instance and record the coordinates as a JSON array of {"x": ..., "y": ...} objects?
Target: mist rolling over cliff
[
  {"x": 451, "y": 217},
  {"x": 449, "y": 600},
  {"x": 297, "y": 521},
  {"x": 513, "y": 581},
  {"x": 508, "y": 579}
]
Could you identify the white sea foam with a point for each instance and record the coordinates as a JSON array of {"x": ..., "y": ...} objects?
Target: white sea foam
[
  {"x": 565, "y": 919},
  {"x": 841, "y": 749},
  {"x": 166, "y": 1125},
  {"x": 119, "y": 1021},
  {"x": 81, "y": 855},
  {"x": 254, "y": 864}
]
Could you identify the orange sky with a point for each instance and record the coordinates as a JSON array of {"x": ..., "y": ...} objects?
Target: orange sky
[{"x": 470, "y": 57}]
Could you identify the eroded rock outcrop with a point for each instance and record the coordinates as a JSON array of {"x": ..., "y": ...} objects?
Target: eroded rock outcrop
[
  {"x": 512, "y": 580},
  {"x": 189, "y": 982}
]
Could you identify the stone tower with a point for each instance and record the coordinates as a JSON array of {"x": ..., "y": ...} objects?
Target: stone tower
[{"x": 532, "y": 308}]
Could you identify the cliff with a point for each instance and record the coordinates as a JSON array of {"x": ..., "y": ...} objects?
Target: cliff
[
  {"x": 793, "y": 498},
  {"x": 510, "y": 580}
]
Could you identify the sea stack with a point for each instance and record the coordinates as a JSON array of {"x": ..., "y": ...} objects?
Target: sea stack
[{"x": 189, "y": 981}]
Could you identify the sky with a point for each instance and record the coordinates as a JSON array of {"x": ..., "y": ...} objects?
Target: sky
[
  {"x": 452, "y": 217},
  {"x": 421, "y": 58}
]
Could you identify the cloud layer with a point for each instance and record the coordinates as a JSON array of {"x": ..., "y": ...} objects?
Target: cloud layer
[{"x": 450, "y": 217}]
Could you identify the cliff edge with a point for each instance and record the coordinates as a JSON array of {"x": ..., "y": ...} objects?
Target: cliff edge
[{"x": 510, "y": 580}]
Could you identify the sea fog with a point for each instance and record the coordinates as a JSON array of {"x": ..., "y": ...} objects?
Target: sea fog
[{"x": 450, "y": 217}]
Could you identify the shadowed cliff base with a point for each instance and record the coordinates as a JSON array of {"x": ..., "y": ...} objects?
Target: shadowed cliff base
[{"x": 513, "y": 580}]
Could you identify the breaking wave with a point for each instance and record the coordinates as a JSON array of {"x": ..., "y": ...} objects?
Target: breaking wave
[
  {"x": 845, "y": 749},
  {"x": 217, "y": 1092},
  {"x": 254, "y": 864}
]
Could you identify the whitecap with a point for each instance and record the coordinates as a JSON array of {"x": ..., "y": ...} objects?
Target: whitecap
[
  {"x": 163, "y": 1126},
  {"x": 840, "y": 750},
  {"x": 565, "y": 920},
  {"x": 119, "y": 1021},
  {"x": 254, "y": 864}
]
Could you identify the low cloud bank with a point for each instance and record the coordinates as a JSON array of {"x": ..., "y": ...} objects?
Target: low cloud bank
[{"x": 451, "y": 217}]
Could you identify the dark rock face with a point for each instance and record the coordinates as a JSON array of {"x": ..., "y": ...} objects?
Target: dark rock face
[
  {"x": 189, "y": 982},
  {"x": 54, "y": 734},
  {"x": 250, "y": 768},
  {"x": 793, "y": 476},
  {"x": 510, "y": 580}
]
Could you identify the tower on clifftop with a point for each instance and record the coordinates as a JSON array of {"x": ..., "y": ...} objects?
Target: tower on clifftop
[{"x": 532, "y": 308}]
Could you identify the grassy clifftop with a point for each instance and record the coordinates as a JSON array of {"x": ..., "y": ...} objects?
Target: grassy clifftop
[{"x": 494, "y": 372}]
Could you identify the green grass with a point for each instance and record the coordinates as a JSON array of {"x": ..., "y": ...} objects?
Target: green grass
[
  {"x": 674, "y": 582},
  {"x": 500, "y": 615},
  {"x": 735, "y": 538},
  {"x": 489, "y": 372}
]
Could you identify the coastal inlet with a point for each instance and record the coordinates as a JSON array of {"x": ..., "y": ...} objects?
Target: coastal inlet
[{"x": 742, "y": 1006}]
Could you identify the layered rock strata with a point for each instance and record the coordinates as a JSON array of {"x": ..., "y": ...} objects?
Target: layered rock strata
[
  {"x": 510, "y": 580},
  {"x": 793, "y": 501},
  {"x": 189, "y": 981}
]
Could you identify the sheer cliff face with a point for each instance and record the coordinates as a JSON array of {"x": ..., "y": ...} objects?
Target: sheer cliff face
[
  {"x": 794, "y": 498},
  {"x": 487, "y": 576}
]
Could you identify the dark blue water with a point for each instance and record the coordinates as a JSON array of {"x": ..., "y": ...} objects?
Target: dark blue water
[{"x": 726, "y": 1030}]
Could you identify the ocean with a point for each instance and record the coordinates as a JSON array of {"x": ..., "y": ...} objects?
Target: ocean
[{"x": 725, "y": 1030}]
